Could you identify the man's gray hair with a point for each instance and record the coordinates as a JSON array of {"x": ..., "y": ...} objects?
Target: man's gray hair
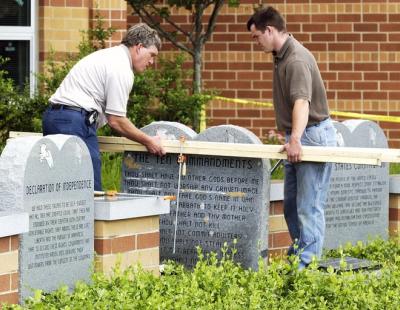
[{"x": 141, "y": 33}]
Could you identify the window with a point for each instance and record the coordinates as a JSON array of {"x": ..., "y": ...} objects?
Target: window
[
  {"x": 15, "y": 13},
  {"x": 18, "y": 39}
]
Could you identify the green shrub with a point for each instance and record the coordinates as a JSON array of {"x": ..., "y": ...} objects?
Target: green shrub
[
  {"x": 163, "y": 94},
  {"x": 111, "y": 170},
  {"x": 223, "y": 284},
  {"x": 394, "y": 168},
  {"x": 18, "y": 110},
  {"x": 274, "y": 138}
]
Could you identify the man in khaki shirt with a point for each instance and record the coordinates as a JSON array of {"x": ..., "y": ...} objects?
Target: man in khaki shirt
[{"x": 302, "y": 112}]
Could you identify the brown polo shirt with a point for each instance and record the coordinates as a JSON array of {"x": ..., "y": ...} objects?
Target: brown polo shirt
[{"x": 296, "y": 76}]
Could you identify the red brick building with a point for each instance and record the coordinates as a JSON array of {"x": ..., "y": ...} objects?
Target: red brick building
[{"x": 356, "y": 43}]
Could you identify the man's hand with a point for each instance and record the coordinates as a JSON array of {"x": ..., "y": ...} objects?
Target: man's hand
[
  {"x": 154, "y": 146},
  {"x": 125, "y": 127},
  {"x": 293, "y": 150}
]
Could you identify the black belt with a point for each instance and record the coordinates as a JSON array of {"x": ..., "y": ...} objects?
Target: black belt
[{"x": 67, "y": 107}]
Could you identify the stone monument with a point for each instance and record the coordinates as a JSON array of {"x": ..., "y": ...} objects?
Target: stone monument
[
  {"x": 221, "y": 198},
  {"x": 51, "y": 178},
  {"x": 358, "y": 198}
]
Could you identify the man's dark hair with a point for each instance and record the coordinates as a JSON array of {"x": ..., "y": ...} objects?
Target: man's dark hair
[{"x": 267, "y": 17}]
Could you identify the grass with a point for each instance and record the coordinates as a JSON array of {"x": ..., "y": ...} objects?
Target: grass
[{"x": 111, "y": 171}]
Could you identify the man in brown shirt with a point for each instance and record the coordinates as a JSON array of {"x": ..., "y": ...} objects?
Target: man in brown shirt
[{"x": 301, "y": 110}]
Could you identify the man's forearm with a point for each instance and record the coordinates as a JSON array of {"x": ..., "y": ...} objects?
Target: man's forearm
[
  {"x": 124, "y": 127},
  {"x": 299, "y": 123},
  {"x": 299, "y": 118}
]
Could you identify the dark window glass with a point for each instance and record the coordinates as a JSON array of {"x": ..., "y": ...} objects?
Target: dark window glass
[
  {"x": 18, "y": 64},
  {"x": 15, "y": 12}
]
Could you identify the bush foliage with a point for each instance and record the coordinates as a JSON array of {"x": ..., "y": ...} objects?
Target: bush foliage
[
  {"x": 18, "y": 110},
  {"x": 164, "y": 95},
  {"x": 223, "y": 284},
  {"x": 274, "y": 137}
]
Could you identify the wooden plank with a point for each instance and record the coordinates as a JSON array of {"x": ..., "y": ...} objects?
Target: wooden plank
[
  {"x": 352, "y": 155},
  {"x": 16, "y": 134},
  {"x": 371, "y": 156}
]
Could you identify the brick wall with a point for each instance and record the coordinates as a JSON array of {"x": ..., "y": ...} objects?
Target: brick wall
[
  {"x": 114, "y": 13},
  {"x": 356, "y": 43},
  {"x": 9, "y": 275},
  {"x": 62, "y": 21},
  {"x": 128, "y": 242}
]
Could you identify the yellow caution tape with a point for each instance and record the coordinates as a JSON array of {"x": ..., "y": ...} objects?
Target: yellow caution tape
[
  {"x": 241, "y": 101},
  {"x": 372, "y": 117}
]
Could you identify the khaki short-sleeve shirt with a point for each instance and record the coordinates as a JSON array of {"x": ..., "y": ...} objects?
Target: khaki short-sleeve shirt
[{"x": 297, "y": 76}]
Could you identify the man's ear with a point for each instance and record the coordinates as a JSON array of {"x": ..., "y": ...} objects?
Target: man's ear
[{"x": 138, "y": 47}]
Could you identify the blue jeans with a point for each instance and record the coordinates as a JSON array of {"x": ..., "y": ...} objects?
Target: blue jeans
[
  {"x": 70, "y": 122},
  {"x": 305, "y": 193}
]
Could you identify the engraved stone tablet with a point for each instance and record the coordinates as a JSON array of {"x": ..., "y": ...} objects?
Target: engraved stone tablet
[
  {"x": 169, "y": 130},
  {"x": 51, "y": 178},
  {"x": 358, "y": 198},
  {"x": 221, "y": 198}
]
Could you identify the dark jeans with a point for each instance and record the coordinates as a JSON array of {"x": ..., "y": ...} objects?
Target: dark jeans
[{"x": 70, "y": 122}]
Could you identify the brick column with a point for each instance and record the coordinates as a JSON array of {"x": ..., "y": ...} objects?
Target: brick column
[
  {"x": 9, "y": 275},
  {"x": 279, "y": 238},
  {"x": 129, "y": 241},
  {"x": 394, "y": 206},
  {"x": 394, "y": 215}
]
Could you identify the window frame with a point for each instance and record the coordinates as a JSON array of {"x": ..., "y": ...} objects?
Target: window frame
[{"x": 26, "y": 33}]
